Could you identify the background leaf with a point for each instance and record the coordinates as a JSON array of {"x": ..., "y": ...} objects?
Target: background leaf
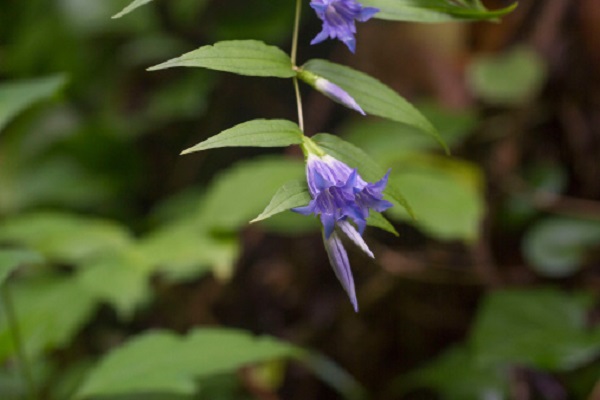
[
  {"x": 16, "y": 96},
  {"x": 49, "y": 312},
  {"x": 373, "y": 96},
  {"x": 132, "y": 6},
  {"x": 184, "y": 250},
  {"x": 11, "y": 259},
  {"x": 540, "y": 328},
  {"x": 434, "y": 10},
  {"x": 64, "y": 237},
  {"x": 244, "y": 57},
  {"x": 424, "y": 177},
  {"x": 446, "y": 196},
  {"x": 457, "y": 375},
  {"x": 388, "y": 141},
  {"x": 164, "y": 362},
  {"x": 119, "y": 278},
  {"x": 256, "y": 133},
  {"x": 231, "y": 202},
  {"x": 557, "y": 246},
  {"x": 507, "y": 79}
]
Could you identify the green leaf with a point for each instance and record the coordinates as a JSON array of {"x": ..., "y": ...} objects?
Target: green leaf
[
  {"x": 16, "y": 96},
  {"x": 292, "y": 194},
  {"x": 56, "y": 180},
  {"x": 11, "y": 259},
  {"x": 333, "y": 375},
  {"x": 558, "y": 246},
  {"x": 446, "y": 194},
  {"x": 373, "y": 96},
  {"x": 119, "y": 278},
  {"x": 256, "y": 133},
  {"x": 164, "y": 362},
  {"x": 244, "y": 57},
  {"x": 231, "y": 202},
  {"x": 388, "y": 140},
  {"x": 541, "y": 328},
  {"x": 135, "y": 4},
  {"x": 367, "y": 167},
  {"x": 290, "y": 223},
  {"x": 434, "y": 10},
  {"x": 49, "y": 313},
  {"x": 423, "y": 177},
  {"x": 511, "y": 78},
  {"x": 456, "y": 375},
  {"x": 64, "y": 237},
  {"x": 184, "y": 250},
  {"x": 377, "y": 220}
]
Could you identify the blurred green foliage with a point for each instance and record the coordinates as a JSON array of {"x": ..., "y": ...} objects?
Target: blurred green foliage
[{"x": 100, "y": 223}]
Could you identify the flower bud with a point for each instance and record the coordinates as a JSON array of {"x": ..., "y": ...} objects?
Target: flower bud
[{"x": 331, "y": 90}]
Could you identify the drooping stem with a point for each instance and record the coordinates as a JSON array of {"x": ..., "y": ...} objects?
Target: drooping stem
[
  {"x": 293, "y": 56},
  {"x": 15, "y": 332}
]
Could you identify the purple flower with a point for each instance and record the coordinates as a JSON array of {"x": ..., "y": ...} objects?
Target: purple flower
[
  {"x": 339, "y": 194},
  {"x": 338, "y": 19}
]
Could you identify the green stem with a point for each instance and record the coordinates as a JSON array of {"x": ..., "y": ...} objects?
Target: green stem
[
  {"x": 296, "y": 29},
  {"x": 299, "y": 105},
  {"x": 15, "y": 332},
  {"x": 293, "y": 56}
]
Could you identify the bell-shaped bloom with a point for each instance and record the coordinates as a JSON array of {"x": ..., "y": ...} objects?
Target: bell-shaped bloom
[
  {"x": 340, "y": 195},
  {"x": 338, "y": 18}
]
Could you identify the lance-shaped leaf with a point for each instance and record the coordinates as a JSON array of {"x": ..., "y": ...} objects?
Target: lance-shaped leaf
[
  {"x": 132, "y": 6},
  {"x": 292, "y": 194},
  {"x": 435, "y": 10},
  {"x": 373, "y": 96},
  {"x": 356, "y": 158},
  {"x": 256, "y": 133},
  {"x": 244, "y": 57}
]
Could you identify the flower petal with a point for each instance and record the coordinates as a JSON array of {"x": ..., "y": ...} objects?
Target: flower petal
[
  {"x": 339, "y": 18},
  {"x": 305, "y": 210},
  {"x": 353, "y": 235},
  {"x": 322, "y": 36},
  {"x": 341, "y": 266},
  {"x": 366, "y": 13},
  {"x": 328, "y": 221}
]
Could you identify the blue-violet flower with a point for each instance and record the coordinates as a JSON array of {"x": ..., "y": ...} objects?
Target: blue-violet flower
[
  {"x": 338, "y": 18},
  {"x": 339, "y": 194}
]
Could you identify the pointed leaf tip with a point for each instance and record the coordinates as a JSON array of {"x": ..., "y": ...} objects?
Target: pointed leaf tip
[
  {"x": 291, "y": 195},
  {"x": 256, "y": 133},
  {"x": 243, "y": 57},
  {"x": 374, "y": 97}
]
